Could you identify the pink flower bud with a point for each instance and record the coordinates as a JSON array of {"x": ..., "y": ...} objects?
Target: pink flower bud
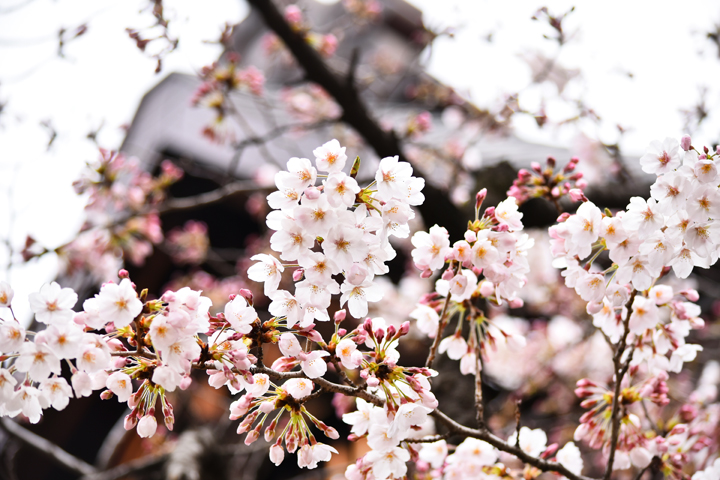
[
  {"x": 277, "y": 454},
  {"x": 123, "y": 273},
  {"x": 563, "y": 216},
  {"x": 247, "y": 295},
  {"x": 147, "y": 426},
  {"x": 487, "y": 288},
  {"x": 373, "y": 382},
  {"x": 594, "y": 307},
  {"x": 427, "y": 273},
  {"x": 130, "y": 421},
  {"x": 691, "y": 294},
  {"x": 298, "y": 274},
  {"x": 448, "y": 274},
  {"x": 470, "y": 236},
  {"x": 185, "y": 382},
  {"x": 404, "y": 329},
  {"x": 342, "y": 332},
  {"x": 536, "y": 167},
  {"x": 577, "y": 195},
  {"x": 339, "y": 316},
  {"x": 293, "y": 15},
  {"x": 515, "y": 302},
  {"x": 252, "y": 437},
  {"x": 332, "y": 433},
  {"x": 479, "y": 198},
  {"x": 312, "y": 193},
  {"x": 551, "y": 162},
  {"x": 524, "y": 176},
  {"x": 489, "y": 212}
]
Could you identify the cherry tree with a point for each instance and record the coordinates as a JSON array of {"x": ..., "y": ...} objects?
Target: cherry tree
[{"x": 303, "y": 322}]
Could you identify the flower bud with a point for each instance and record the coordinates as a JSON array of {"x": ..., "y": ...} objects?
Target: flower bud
[
  {"x": 691, "y": 294},
  {"x": 339, "y": 316},
  {"x": 594, "y": 307},
  {"x": 515, "y": 302},
  {"x": 479, "y": 198},
  {"x": 551, "y": 162},
  {"x": 298, "y": 274},
  {"x": 685, "y": 142},
  {"x": 342, "y": 332},
  {"x": 470, "y": 236},
  {"x": 427, "y": 273},
  {"x": 252, "y": 437},
  {"x": 448, "y": 274},
  {"x": 130, "y": 421},
  {"x": 277, "y": 454},
  {"x": 487, "y": 288},
  {"x": 577, "y": 195},
  {"x": 312, "y": 193},
  {"x": 536, "y": 167},
  {"x": 147, "y": 426},
  {"x": 123, "y": 273},
  {"x": 247, "y": 295}
]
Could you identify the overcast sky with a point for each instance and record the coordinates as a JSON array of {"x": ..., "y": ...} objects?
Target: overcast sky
[{"x": 103, "y": 77}]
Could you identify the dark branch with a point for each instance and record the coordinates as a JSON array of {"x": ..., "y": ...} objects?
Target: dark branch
[
  {"x": 437, "y": 208},
  {"x": 42, "y": 445}
]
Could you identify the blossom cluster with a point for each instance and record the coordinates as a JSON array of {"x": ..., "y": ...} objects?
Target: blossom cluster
[
  {"x": 489, "y": 263},
  {"x": 672, "y": 230},
  {"x": 331, "y": 241}
]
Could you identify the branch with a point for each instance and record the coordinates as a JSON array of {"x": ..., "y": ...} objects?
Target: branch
[
  {"x": 500, "y": 444},
  {"x": 620, "y": 371},
  {"x": 437, "y": 207},
  {"x": 452, "y": 425},
  {"x": 47, "y": 447},
  {"x": 139, "y": 465},
  {"x": 441, "y": 327},
  {"x": 214, "y": 196}
]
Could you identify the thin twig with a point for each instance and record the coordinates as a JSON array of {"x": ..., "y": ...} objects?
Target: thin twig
[{"x": 441, "y": 327}]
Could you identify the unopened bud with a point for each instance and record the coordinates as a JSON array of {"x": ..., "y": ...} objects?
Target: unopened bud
[
  {"x": 489, "y": 212},
  {"x": 247, "y": 295},
  {"x": 123, "y": 273},
  {"x": 551, "y": 162},
  {"x": 130, "y": 421},
  {"x": 706, "y": 150},
  {"x": 515, "y": 303},
  {"x": 524, "y": 176},
  {"x": 594, "y": 307},
  {"x": 252, "y": 437},
  {"x": 404, "y": 329},
  {"x": 577, "y": 195},
  {"x": 339, "y": 316},
  {"x": 563, "y": 216},
  {"x": 448, "y": 274},
  {"x": 312, "y": 193},
  {"x": 427, "y": 273},
  {"x": 298, "y": 274},
  {"x": 536, "y": 167},
  {"x": 691, "y": 294},
  {"x": 479, "y": 198},
  {"x": 391, "y": 330},
  {"x": 685, "y": 142}
]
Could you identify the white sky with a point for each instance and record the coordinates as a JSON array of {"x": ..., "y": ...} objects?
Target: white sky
[{"x": 104, "y": 76}]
